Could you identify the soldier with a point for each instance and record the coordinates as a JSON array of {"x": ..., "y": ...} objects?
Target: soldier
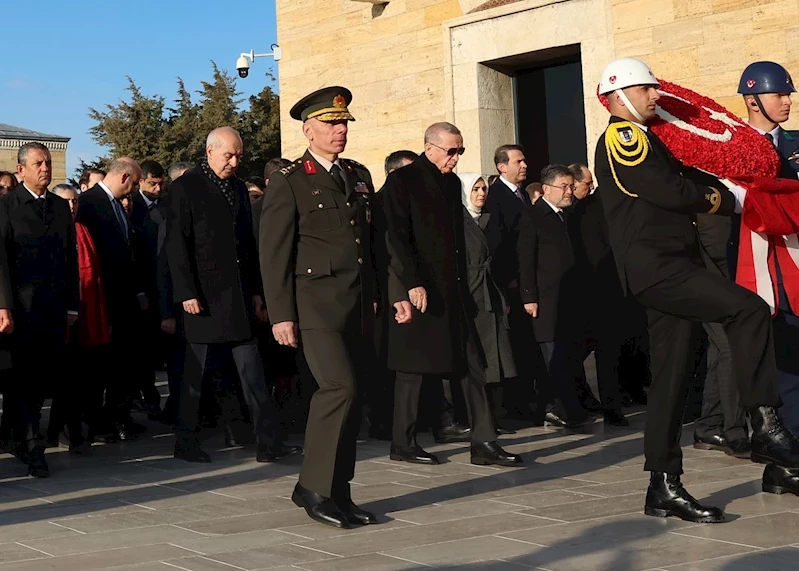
[
  {"x": 316, "y": 261},
  {"x": 648, "y": 200}
]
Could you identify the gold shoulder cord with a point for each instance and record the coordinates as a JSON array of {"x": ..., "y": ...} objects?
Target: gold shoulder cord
[{"x": 622, "y": 151}]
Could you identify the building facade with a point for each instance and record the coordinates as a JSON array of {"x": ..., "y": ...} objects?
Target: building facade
[
  {"x": 512, "y": 70},
  {"x": 12, "y": 138}
]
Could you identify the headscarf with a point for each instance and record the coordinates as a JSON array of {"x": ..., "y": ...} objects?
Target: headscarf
[{"x": 468, "y": 180}]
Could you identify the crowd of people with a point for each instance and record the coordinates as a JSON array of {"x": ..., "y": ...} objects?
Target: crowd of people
[{"x": 449, "y": 302}]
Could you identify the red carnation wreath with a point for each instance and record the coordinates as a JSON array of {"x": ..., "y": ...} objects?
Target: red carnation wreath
[{"x": 703, "y": 134}]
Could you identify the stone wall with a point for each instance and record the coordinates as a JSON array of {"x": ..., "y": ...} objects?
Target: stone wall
[{"x": 8, "y": 162}]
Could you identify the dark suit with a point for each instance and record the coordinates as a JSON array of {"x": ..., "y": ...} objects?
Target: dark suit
[
  {"x": 317, "y": 267},
  {"x": 649, "y": 206},
  {"x": 211, "y": 251},
  {"x": 550, "y": 279},
  {"x": 39, "y": 284},
  {"x": 502, "y": 203},
  {"x": 115, "y": 252}
]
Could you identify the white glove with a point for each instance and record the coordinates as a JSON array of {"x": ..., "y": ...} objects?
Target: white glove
[{"x": 740, "y": 194}]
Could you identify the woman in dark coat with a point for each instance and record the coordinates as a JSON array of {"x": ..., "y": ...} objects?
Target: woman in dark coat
[{"x": 484, "y": 304}]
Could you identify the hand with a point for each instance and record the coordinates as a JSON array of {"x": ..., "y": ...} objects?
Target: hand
[
  {"x": 6, "y": 321},
  {"x": 285, "y": 333},
  {"x": 404, "y": 313},
  {"x": 144, "y": 303},
  {"x": 531, "y": 309},
  {"x": 260, "y": 308},
  {"x": 72, "y": 318},
  {"x": 169, "y": 325},
  {"x": 418, "y": 297},
  {"x": 192, "y": 306},
  {"x": 375, "y": 306}
]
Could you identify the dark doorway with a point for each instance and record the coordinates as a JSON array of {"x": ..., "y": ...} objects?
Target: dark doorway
[{"x": 550, "y": 118}]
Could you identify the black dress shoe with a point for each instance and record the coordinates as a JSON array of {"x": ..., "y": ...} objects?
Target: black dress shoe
[
  {"x": 501, "y": 431},
  {"x": 713, "y": 442},
  {"x": 615, "y": 418},
  {"x": 591, "y": 404},
  {"x": 320, "y": 508},
  {"x": 556, "y": 419},
  {"x": 355, "y": 515},
  {"x": 276, "y": 452},
  {"x": 491, "y": 453},
  {"x": 380, "y": 433},
  {"x": 192, "y": 454},
  {"x": 453, "y": 433},
  {"x": 37, "y": 465},
  {"x": 414, "y": 454},
  {"x": 740, "y": 448},
  {"x": 779, "y": 480},
  {"x": 667, "y": 497},
  {"x": 772, "y": 443},
  {"x": 119, "y": 432}
]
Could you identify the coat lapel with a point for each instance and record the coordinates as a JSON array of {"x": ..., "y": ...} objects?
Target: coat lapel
[{"x": 318, "y": 174}]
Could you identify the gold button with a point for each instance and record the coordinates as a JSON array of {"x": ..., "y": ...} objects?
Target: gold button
[
  {"x": 360, "y": 260},
  {"x": 357, "y": 240},
  {"x": 348, "y": 205},
  {"x": 320, "y": 205},
  {"x": 309, "y": 270},
  {"x": 352, "y": 222}
]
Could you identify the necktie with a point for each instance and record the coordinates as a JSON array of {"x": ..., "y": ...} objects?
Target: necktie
[
  {"x": 519, "y": 194},
  {"x": 336, "y": 174},
  {"x": 561, "y": 216},
  {"x": 42, "y": 204},
  {"x": 770, "y": 137},
  {"x": 121, "y": 218}
]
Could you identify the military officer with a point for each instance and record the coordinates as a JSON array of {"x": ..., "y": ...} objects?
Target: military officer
[
  {"x": 650, "y": 200},
  {"x": 316, "y": 261}
]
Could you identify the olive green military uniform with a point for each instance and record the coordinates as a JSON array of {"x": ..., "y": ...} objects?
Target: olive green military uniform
[{"x": 316, "y": 261}]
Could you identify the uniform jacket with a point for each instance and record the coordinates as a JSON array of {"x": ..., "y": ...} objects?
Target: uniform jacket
[
  {"x": 650, "y": 206},
  {"x": 211, "y": 252},
  {"x": 424, "y": 221},
  {"x": 315, "y": 247},
  {"x": 38, "y": 265}
]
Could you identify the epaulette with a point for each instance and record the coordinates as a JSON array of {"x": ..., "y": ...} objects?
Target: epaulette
[
  {"x": 790, "y": 135},
  {"x": 354, "y": 164},
  {"x": 291, "y": 168},
  {"x": 627, "y": 145}
]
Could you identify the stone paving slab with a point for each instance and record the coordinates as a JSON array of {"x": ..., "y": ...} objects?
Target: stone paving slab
[{"x": 575, "y": 505}]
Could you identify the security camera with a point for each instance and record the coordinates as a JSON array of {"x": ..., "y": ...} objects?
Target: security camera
[{"x": 243, "y": 65}]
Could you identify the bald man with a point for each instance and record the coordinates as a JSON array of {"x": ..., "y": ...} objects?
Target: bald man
[
  {"x": 213, "y": 262},
  {"x": 102, "y": 213}
]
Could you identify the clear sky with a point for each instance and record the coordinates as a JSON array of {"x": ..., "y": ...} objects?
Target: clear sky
[{"x": 61, "y": 57}]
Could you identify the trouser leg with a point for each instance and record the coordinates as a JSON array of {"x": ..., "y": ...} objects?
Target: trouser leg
[
  {"x": 190, "y": 393},
  {"x": 407, "y": 387},
  {"x": 263, "y": 410},
  {"x": 474, "y": 390},
  {"x": 330, "y": 433}
]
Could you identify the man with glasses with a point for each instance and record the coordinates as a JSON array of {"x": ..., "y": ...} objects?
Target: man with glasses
[{"x": 549, "y": 285}]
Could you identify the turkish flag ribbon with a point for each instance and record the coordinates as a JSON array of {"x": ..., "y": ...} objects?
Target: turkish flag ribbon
[{"x": 770, "y": 222}]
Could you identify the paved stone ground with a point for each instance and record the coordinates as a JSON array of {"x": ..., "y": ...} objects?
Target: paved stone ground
[{"x": 575, "y": 505}]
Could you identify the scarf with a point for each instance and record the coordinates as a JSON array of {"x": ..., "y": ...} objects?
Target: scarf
[
  {"x": 92, "y": 328},
  {"x": 468, "y": 180}
]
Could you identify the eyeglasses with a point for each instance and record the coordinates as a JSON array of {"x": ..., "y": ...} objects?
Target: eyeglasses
[
  {"x": 563, "y": 187},
  {"x": 451, "y": 152}
]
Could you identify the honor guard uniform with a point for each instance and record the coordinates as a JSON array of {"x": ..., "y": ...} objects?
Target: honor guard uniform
[
  {"x": 316, "y": 261},
  {"x": 650, "y": 200}
]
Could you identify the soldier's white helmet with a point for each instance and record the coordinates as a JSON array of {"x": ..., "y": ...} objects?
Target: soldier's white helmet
[{"x": 626, "y": 72}]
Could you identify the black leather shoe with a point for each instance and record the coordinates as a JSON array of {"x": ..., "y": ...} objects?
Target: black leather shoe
[
  {"x": 555, "y": 419},
  {"x": 740, "y": 448},
  {"x": 779, "y": 480},
  {"x": 615, "y": 418},
  {"x": 413, "y": 454},
  {"x": 772, "y": 443},
  {"x": 192, "y": 454},
  {"x": 713, "y": 442},
  {"x": 591, "y": 404},
  {"x": 276, "y": 452},
  {"x": 119, "y": 432},
  {"x": 320, "y": 508},
  {"x": 491, "y": 453},
  {"x": 666, "y": 497},
  {"x": 502, "y": 430},
  {"x": 380, "y": 433},
  {"x": 37, "y": 465},
  {"x": 453, "y": 433}
]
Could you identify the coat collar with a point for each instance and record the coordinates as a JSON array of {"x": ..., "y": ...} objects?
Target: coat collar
[{"x": 317, "y": 173}]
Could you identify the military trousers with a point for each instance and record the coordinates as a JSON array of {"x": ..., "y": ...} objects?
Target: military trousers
[
  {"x": 674, "y": 307},
  {"x": 340, "y": 363}
]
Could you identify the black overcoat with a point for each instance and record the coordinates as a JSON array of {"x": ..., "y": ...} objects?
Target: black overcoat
[
  {"x": 211, "y": 252},
  {"x": 424, "y": 243}
]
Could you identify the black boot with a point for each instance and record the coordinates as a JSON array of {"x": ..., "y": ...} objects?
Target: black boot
[
  {"x": 488, "y": 453},
  {"x": 779, "y": 480},
  {"x": 666, "y": 497},
  {"x": 772, "y": 443}
]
